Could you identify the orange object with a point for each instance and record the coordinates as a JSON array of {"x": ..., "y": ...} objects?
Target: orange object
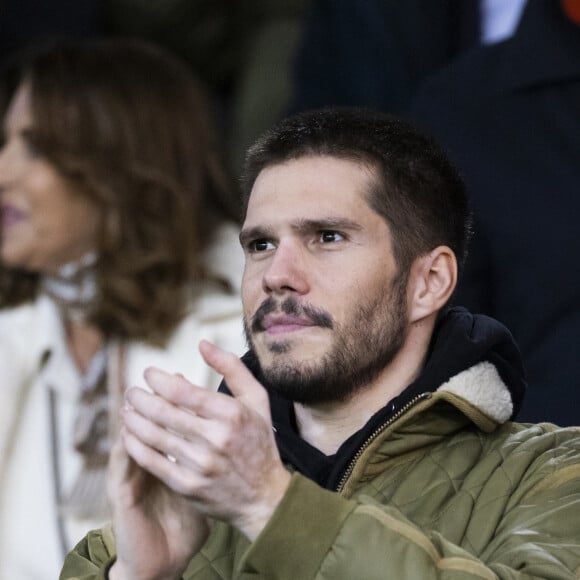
[{"x": 572, "y": 9}]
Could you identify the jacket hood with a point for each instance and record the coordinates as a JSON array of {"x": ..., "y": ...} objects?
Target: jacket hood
[{"x": 476, "y": 357}]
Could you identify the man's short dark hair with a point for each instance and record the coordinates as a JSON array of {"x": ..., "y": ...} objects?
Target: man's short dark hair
[{"x": 417, "y": 190}]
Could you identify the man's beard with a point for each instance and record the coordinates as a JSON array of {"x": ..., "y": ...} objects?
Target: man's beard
[{"x": 363, "y": 347}]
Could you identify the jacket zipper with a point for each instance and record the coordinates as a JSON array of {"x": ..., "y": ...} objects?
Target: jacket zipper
[{"x": 375, "y": 434}]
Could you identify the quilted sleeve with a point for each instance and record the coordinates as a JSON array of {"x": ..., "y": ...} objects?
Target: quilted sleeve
[
  {"x": 91, "y": 558},
  {"x": 317, "y": 534}
]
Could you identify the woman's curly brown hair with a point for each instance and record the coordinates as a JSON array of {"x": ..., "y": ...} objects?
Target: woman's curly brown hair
[{"x": 131, "y": 128}]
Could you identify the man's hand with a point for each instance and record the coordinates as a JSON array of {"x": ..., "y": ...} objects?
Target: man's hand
[
  {"x": 157, "y": 531},
  {"x": 218, "y": 451}
]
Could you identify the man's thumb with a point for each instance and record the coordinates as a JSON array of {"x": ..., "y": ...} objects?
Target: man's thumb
[{"x": 239, "y": 379}]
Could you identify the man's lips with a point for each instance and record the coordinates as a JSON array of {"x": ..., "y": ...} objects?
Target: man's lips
[
  {"x": 288, "y": 316},
  {"x": 276, "y": 324}
]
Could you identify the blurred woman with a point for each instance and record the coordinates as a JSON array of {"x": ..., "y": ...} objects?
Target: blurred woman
[{"x": 118, "y": 251}]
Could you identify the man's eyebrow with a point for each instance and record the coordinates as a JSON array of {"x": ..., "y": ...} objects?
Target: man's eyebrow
[
  {"x": 303, "y": 226},
  {"x": 329, "y": 223},
  {"x": 254, "y": 233}
]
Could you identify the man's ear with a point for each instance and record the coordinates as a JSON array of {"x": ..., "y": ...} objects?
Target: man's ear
[{"x": 432, "y": 281}]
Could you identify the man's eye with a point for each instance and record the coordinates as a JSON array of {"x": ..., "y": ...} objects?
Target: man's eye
[
  {"x": 328, "y": 236},
  {"x": 261, "y": 246}
]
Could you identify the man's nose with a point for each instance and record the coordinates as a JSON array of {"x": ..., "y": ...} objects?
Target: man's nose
[{"x": 287, "y": 270}]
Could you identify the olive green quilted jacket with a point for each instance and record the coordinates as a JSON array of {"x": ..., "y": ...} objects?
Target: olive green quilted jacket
[{"x": 447, "y": 489}]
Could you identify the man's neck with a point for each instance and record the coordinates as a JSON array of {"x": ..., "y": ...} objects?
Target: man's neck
[{"x": 327, "y": 426}]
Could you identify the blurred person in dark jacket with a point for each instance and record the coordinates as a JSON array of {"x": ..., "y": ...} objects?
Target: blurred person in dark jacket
[{"x": 509, "y": 117}]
